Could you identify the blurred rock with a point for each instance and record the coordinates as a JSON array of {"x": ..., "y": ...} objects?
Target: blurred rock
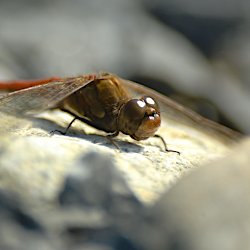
[
  {"x": 232, "y": 51},
  {"x": 94, "y": 186},
  {"x": 94, "y": 180},
  {"x": 202, "y": 22},
  {"x": 233, "y": 59},
  {"x": 19, "y": 229},
  {"x": 38, "y": 40},
  {"x": 208, "y": 209}
]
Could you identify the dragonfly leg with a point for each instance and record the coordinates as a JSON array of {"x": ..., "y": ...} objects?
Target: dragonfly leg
[
  {"x": 66, "y": 130},
  {"x": 165, "y": 145},
  {"x": 110, "y": 138}
]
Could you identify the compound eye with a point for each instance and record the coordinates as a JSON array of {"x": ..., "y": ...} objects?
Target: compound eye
[
  {"x": 135, "y": 108},
  {"x": 139, "y": 118},
  {"x": 150, "y": 102}
]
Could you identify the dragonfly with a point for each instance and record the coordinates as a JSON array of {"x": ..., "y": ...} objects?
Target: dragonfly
[
  {"x": 104, "y": 101},
  {"x": 99, "y": 100}
]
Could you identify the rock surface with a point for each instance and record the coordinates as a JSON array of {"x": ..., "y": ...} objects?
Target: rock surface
[
  {"x": 78, "y": 191},
  {"x": 30, "y": 152},
  {"x": 88, "y": 203},
  {"x": 208, "y": 209}
]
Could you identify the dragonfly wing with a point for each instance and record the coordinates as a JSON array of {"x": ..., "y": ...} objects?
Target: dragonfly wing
[
  {"x": 173, "y": 111},
  {"x": 42, "y": 97}
]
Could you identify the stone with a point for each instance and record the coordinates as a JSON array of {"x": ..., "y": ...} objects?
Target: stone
[{"x": 208, "y": 209}]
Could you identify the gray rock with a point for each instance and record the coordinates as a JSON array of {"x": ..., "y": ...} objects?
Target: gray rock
[
  {"x": 121, "y": 37},
  {"x": 19, "y": 229},
  {"x": 30, "y": 152},
  {"x": 208, "y": 209},
  {"x": 74, "y": 187}
]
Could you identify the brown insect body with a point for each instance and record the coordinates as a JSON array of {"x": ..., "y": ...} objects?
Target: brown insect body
[
  {"x": 107, "y": 106},
  {"x": 98, "y": 100}
]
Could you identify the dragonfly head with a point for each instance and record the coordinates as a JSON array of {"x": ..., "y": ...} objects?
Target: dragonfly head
[{"x": 139, "y": 118}]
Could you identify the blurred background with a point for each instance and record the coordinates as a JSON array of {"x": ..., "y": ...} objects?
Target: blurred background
[{"x": 195, "y": 51}]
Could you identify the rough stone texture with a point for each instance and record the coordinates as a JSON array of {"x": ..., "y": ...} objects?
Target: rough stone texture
[
  {"x": 83, "y": 192},
  {"x": 31, "y": 153},
  {"x": 95, "y": 209}
]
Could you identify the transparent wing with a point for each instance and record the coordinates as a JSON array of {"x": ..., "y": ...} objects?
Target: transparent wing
[
  {"x": 42, "y": 97},
  {"x": 173, "y": 111}
]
